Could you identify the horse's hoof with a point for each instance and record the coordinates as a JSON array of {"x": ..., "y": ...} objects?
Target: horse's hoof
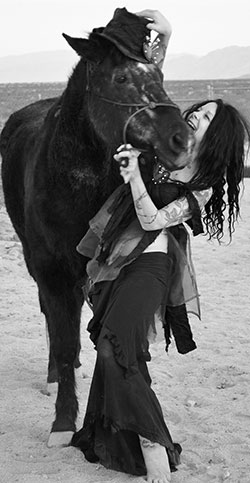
[{"x": 60, "y": 439}]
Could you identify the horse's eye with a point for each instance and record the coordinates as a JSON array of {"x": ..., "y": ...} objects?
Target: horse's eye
[{"x": 121, "y": 78}]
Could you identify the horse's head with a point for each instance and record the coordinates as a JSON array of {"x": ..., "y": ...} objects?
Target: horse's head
[{"x": 126, "y": 100}]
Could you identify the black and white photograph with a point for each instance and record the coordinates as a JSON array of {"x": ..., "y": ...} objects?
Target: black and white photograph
[{"x": 124, "y": 241}]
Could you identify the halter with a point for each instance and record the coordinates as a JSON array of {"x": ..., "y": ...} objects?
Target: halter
[{"x": 142, "y": 106}]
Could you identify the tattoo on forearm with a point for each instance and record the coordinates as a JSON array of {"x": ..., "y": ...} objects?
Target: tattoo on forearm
[
  {"x": 146, "y": 443},
  {"x": 139, "y": 207},
  {"x": 137, "y": 201},
  {"x": 151, "y": 217},
  {"x": 178, "y": 213}
]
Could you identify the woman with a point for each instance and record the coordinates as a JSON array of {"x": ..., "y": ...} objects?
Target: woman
[{"x": 140, "y": 266}]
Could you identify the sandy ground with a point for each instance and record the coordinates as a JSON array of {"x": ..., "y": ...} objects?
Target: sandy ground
[{"x": 205, "y": 395}]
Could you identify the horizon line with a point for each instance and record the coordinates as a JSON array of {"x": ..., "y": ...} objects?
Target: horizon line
[{"x": 169, "y": 53}]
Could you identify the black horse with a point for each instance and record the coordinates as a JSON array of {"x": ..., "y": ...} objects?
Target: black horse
[{"x": 57, "y": 171}]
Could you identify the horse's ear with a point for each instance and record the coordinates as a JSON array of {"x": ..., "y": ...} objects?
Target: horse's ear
[{"x": 81, "y": 46}]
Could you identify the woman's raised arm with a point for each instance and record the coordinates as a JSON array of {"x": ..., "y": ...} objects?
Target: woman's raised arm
[
  {"x": 162, "y": 26},
  {"x": 149, "y": 216}
]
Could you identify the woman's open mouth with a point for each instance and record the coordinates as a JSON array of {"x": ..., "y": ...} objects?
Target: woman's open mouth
[{"x": 192, "y": 125}]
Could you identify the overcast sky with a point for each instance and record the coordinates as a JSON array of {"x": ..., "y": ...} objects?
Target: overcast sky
[{"x": 199, "y": 26}]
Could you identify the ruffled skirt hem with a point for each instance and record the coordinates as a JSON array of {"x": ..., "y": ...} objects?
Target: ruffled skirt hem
[{"x": 101, "y": 440}]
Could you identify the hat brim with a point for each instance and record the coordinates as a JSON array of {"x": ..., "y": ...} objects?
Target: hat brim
[{"x": 123, "y": 49}]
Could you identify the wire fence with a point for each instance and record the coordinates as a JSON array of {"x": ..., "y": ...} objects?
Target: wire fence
[{"x": 233, "y": 91}]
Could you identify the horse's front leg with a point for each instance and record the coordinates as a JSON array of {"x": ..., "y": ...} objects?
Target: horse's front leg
[
  {"x": 52, "y": 376},
  {"x": 62, "y": 304}
]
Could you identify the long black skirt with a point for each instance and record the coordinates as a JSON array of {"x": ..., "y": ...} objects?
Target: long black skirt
[{"x": 121, "y": 403}]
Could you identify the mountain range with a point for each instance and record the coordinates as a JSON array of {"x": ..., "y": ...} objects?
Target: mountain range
[
  {"x": 227, "y": 63},
  {"x": 56, "y": 66}
]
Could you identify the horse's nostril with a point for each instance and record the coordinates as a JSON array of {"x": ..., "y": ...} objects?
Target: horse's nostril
[
  {"x": 177, "y": 142},
  {"x": 178, "y": 139}
]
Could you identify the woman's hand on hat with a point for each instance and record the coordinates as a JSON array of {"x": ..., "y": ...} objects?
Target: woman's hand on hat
[
  {"x": 127, "y": 157},
  {"x": 157, "y": 22}
]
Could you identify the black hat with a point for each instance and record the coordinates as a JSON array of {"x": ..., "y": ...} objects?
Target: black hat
[{"x": 128, "y": 32}]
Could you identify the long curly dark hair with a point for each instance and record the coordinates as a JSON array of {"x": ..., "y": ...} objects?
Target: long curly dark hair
[{"x": 221, "y": 158}]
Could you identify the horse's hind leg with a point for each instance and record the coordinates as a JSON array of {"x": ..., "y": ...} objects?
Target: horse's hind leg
[{"x": 63, "y": 302}]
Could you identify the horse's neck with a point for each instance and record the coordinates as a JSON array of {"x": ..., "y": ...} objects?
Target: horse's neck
[
  {"x": 76, "y": 153},
  {"x": 73, "y": 138}
]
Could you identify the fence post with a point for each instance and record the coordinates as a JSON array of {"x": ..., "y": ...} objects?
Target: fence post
[{"x": 210, "y": 92}]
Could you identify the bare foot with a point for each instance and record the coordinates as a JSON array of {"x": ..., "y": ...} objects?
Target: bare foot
[{"x": 156, "y": 461}]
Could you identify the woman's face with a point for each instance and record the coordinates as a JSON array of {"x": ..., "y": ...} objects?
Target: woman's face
[{"x": 200, "y": 120}]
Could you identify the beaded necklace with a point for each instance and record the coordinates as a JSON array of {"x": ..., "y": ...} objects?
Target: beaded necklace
[{"x": 160, "y": 174}]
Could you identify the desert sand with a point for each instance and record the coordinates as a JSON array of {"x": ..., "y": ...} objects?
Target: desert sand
[{"x": 205, "y": 395}]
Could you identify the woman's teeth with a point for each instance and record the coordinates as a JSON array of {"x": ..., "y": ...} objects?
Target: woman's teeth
[{"x": 192, "y": 125}]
